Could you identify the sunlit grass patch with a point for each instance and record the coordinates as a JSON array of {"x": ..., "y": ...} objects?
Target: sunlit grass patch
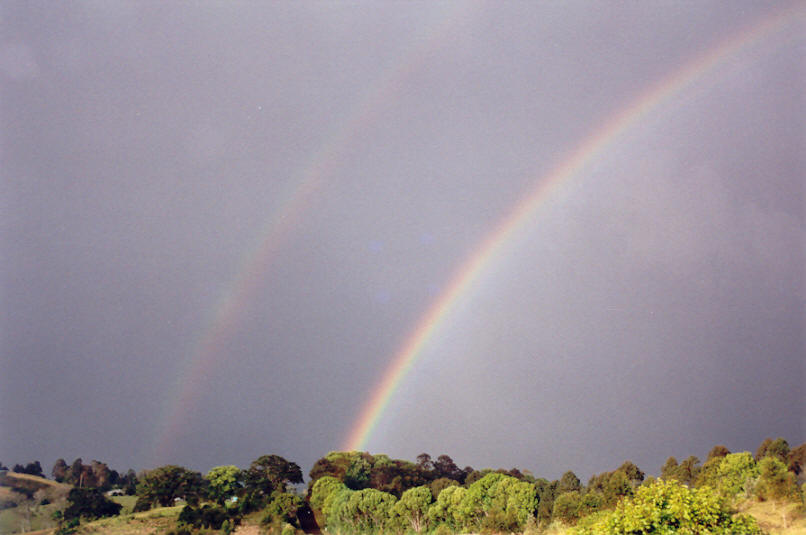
[
  {"x": 154, "y": 521},
  {"x": 777, "y": 518}
]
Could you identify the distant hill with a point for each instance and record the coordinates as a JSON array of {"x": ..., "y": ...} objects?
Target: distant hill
[
  {"x": 29, "y": 482},
  {"x": 26, "y": 502}
]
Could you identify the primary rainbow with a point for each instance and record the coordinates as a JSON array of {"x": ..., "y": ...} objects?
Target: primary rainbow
[
  {"x": 594, "y": 144},
  {"x": 210, "y": 347}
]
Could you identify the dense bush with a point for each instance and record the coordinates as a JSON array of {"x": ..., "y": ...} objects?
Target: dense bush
[
  {"x": 283, "y": 508},
  {"x": 666, "y": 507},
  {"x": 736, "y": 474},
  {"x": 411, "y": 511},
  {"x": 775, "y": 482},
  {"x": 206, "y": 516},
  {"x": 89, "y": 503}
]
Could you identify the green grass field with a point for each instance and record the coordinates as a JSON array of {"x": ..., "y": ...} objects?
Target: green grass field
[
  {"x": 30, "y": 515},
  {"x": 149, "y": 522}
]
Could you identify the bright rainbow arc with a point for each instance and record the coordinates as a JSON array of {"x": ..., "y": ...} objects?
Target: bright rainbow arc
[
  {"x": 591, "y": 147},
  {"x": 274, "y": 234}
]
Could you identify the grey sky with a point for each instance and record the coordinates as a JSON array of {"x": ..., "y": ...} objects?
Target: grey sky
[{"x": 654, "y": 307}]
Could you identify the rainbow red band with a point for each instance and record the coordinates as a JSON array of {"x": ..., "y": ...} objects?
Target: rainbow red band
[
  {"x": 209, "y": 349},
  {"x": 592, "y": 146}
]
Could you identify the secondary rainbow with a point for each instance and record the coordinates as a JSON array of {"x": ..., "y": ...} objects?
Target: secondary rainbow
[
  {"x": 210, "y": 347},
  {"x": 594, "y": 144}
]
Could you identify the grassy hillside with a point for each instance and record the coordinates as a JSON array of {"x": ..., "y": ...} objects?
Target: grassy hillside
[
  {"x": 155, "y": 521},
  {"x": 29, "y": 482},
  {"x": 158, "y": 521},
  {"x": 776, "y": 518},
  {"x": 29, "y": 501}
]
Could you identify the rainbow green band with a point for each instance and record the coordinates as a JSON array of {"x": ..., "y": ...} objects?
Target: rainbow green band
[
  {"x": 593, "y": 145},
  {"x": 209, "y": 349}
]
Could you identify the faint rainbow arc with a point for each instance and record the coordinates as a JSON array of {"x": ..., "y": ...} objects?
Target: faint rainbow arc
[
  {"x": 275, "y": 232},
  {"x": 591, "y": 146}
]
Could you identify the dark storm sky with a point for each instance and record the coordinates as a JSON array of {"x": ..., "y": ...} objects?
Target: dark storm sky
[{"x": 654, "y": 308}]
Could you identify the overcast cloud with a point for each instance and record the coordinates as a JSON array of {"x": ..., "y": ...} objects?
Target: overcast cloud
[{"x": 654, "y": 306}]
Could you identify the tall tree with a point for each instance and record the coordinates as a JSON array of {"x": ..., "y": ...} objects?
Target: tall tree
[
  {"x": 717, "y": 451},
  {"x": 166, "y": 483},
  {"x": 669, "y": 469},
  {"x": 268, "y": 473},
  {"x": 633, "y": 473},
  {"x": 774, "y": 481},
  {"x": 688, "y": 470},
  {"x": 224, "y": 482},
  {"x": 569, "y": 482},
  {"x": 445, "y": 467},
  {"x": 89, "y": 503},
  {"x": 797, "y": 459},
  {"x": 358, "y": 474},
  {"x": 75, "y": 473},
  {"x": 425, "y": 464},
  {"x": 736, "y": 473},
  {"x": 411, "y": 510},
  {"x": 101, "y": 474},
  {"x": 778, "y": 448}
]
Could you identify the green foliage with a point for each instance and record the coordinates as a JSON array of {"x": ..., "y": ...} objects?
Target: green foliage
[
  {"x": 505, "y": 499},
  {"x": 374, "y": 509},
  {"x": 634, "y": 474},
  {"x": 475, "y": 475},
  {"x": 283, "y": 507},
  {"x": 669, "y": 469},
  {"x": 357, "y": 475},
  {"x": 143, "y": 503},
  {"x": 667, "y": 507},
  {"x": 67, "y": 528},
  {"x": 775, "y": 448},
  {"x": 207, "y": 516},
  {"x": 709, "y": 474},
  {"x": 717, "y": 451},
  {"x": 688, "y": 470},
  {"x": 223, "y": 482},
  {"x": 166, "y": 483},
  {"x": 269, "y": 473},
  {"x": 95, "y": 474},
  {"x": 569, "y": 482},
  {"x": 129, "y": 482},
  {"x": 566, "y": 507},
  {"x": 613, "y": 486},
  {"x": 618, "y": 486},
  {"x": 546, "y": 492},
  {"x": 64, "y": 527},
  {"x": 590, "y": 503},
  {"x": 335, "y": 464},
  {"x": 360, "y": 470},
  {"x": 444, "y": 467},
  {"x": 438, "y": 485},
  {"x": 797, "y": 459},
  {"x": 335, "y": 508},
  {"x": 323, "y": 488},
  {"x": 736, "y": 473},
  {"x": 32, "y": 468},
  {"x": 89, "y": 504},
  {"x": 411, "y": 511},
  {"x": 59, "y": 471},
  {"x": 447, "y": 508},
  {"x": 361, "y": 511},
  {"x": 774, "y": 481}
]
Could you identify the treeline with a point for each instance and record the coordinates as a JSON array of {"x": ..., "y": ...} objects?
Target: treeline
[
  {"x": 94, "y": 475},
  {"x": 357, "y": 492}
]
